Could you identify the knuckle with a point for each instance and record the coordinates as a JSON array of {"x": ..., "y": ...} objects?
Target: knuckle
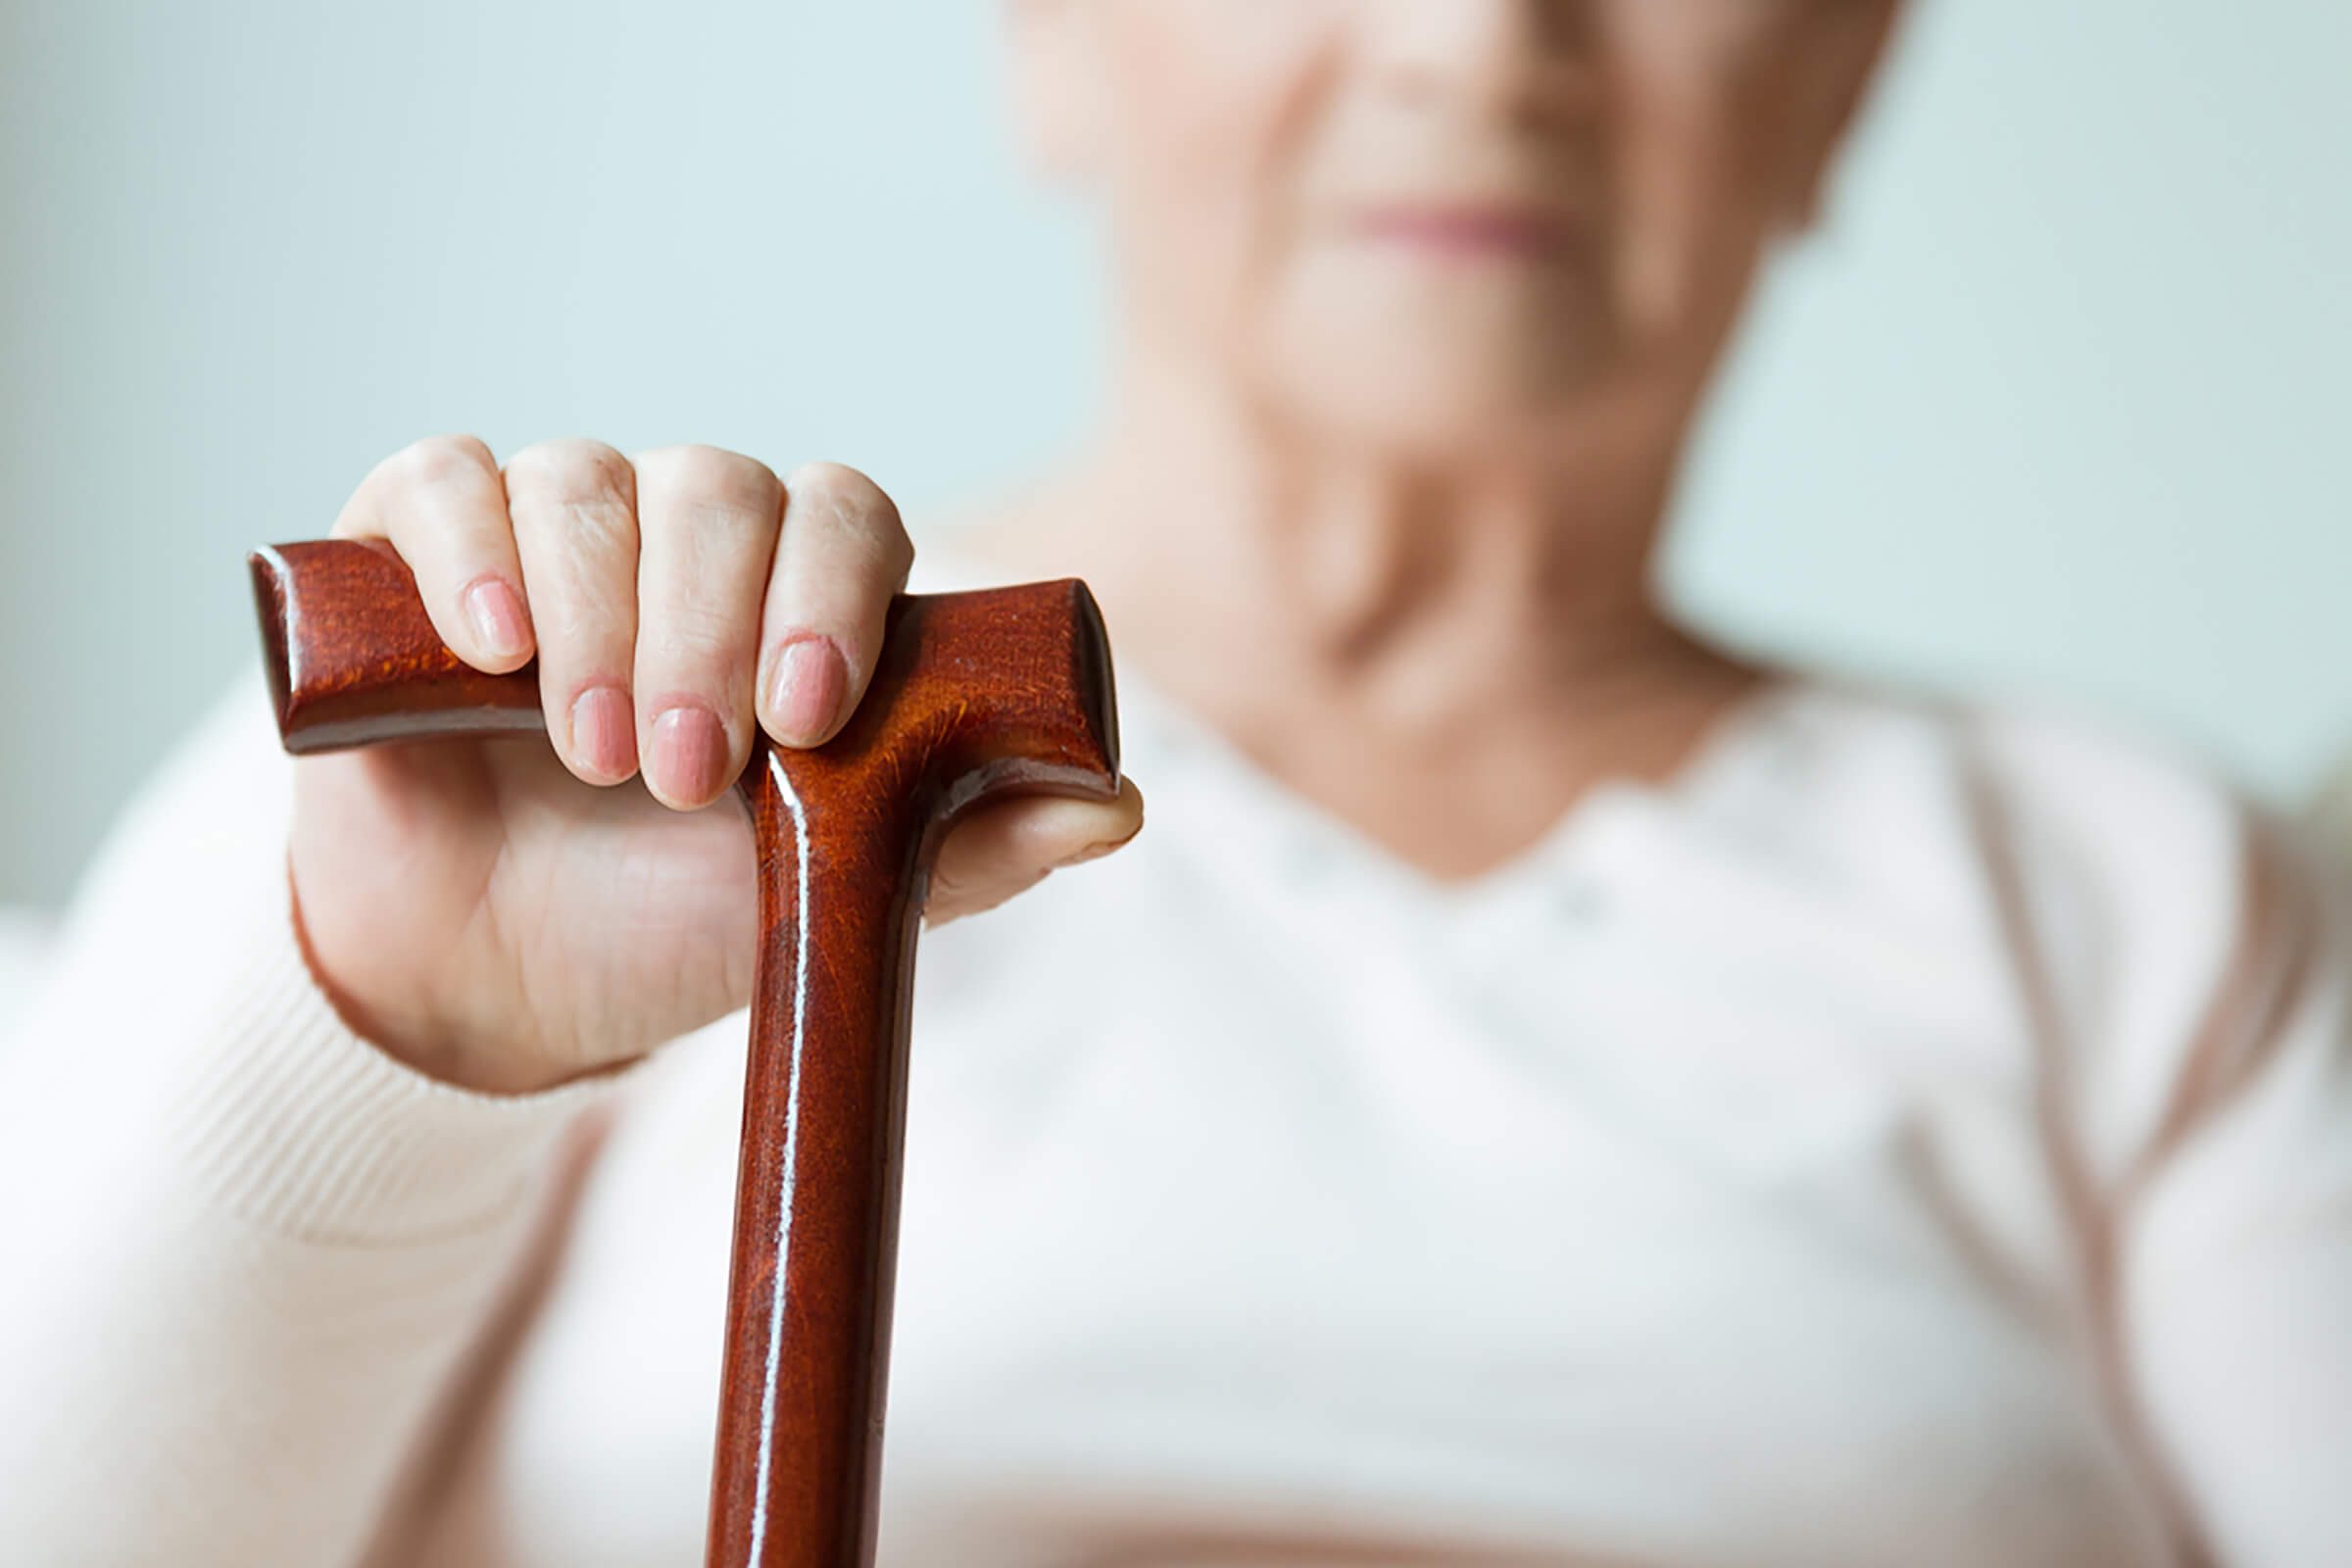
[
  {"x": 857, "y": 513},
  {"x": 439, "y": 459},
  {"x": 580, "y": 492},
  {"x": 842, "y": 489},
  {"x": 719, "y": 523},
  {"x": 884, "y": 557},
  {"x": 693, "y": 635},
  {"x": 571, "y": 471},
  {"x": 706, "y": 492},
  {"x": 712, "y": 479}
]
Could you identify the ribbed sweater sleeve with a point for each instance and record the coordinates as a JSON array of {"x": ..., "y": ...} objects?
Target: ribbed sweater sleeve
[{"x": 245, "y": 1249}]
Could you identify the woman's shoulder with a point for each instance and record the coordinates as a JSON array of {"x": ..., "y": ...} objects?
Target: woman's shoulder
[
  {"x": 2076, "y": 778},
  {"x": 2126, "y": 852},
  {"x": 2113, "y": 804},
  {"x": 2144, "y": 904},
  {"x": 1869, "y": 767},
  {"x": 2141, "y": 880}
]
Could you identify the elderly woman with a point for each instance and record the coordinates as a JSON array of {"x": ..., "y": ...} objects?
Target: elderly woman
[{"x": 1545, "y": 1089}]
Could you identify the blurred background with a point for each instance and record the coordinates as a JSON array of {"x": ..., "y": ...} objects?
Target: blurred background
[{"x": 2055, "y": 404}]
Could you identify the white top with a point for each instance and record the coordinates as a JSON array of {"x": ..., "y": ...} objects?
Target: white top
[{"x": 1919, "y": 1133}]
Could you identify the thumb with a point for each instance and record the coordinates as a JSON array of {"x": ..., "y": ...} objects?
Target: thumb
[{"x": 1009, "y": 847}]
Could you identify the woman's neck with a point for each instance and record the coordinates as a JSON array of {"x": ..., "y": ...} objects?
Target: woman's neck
[
  {"x": 1478, "y": 633},
  {"x": 1438, "y": 596}
]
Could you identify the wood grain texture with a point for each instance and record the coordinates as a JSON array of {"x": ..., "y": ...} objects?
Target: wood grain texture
[
  {"x": 975, "y": 695},
  {"x": 353, "y": 660}
]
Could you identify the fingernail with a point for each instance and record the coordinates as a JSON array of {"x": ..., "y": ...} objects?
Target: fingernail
[
  {"x": 690, "y": 753},
  {"x": 603, "y": 732},
  {"x": 496, "y": 611},
  {"x": 805, "y": 689}
]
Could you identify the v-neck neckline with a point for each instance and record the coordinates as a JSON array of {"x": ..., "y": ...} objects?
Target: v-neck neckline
[
  {"x": 1288, "y": 833},
  {"x": 1289, "y": 829}
]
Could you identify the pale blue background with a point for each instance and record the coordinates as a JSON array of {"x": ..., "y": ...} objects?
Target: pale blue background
[{"x": 2058, "y": 402}]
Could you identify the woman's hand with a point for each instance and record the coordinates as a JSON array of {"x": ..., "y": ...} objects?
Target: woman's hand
[{"x": 505, "y": 915}]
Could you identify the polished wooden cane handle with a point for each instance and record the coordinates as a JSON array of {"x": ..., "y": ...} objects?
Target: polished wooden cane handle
[{"x": 975, "y": 693}]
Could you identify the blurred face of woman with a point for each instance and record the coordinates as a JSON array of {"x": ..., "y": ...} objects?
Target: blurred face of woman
[{"x": 1443, "y": 226}]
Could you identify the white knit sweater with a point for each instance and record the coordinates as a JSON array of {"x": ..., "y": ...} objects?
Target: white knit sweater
[{"x": 1919, "y": 1134}]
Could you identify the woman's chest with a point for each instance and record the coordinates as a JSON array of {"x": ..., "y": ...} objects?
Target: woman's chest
[{"x": 1254, "y": 1275}]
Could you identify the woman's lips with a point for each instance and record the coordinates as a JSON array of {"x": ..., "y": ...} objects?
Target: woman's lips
[{"x": 1469, "y": 231}]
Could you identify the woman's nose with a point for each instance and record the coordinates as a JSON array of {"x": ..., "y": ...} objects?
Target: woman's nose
[{"x": 1530, "y": 61}]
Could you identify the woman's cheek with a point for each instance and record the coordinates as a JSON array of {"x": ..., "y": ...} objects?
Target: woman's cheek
[{"x": 1215, "y": 131}]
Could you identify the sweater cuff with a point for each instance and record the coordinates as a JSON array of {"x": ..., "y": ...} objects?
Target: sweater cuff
[{"x": 302, "y": 1126}]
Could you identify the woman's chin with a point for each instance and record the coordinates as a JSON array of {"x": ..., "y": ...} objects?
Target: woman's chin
[
  {"x": 1501, "y": 387},
  {"x": 1444, "y": 413}
]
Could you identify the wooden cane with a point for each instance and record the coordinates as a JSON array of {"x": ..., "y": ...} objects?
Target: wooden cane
[{"x": 974, "y": 695}]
